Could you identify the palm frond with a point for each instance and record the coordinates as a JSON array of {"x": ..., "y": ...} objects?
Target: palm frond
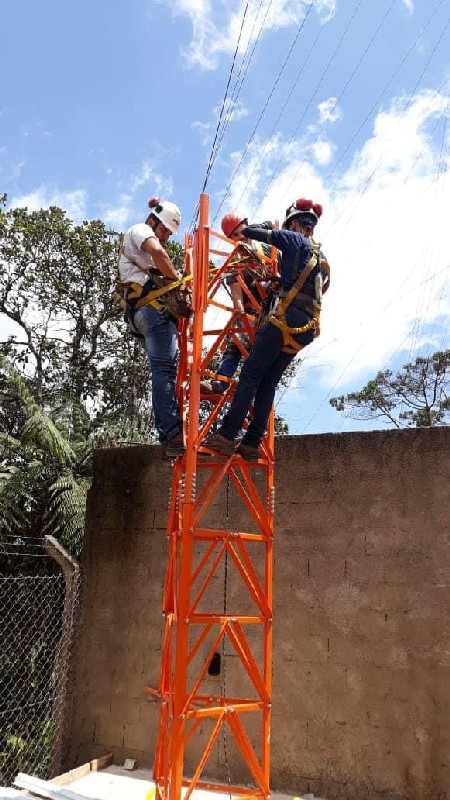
[
  {"x": 66, "y": 510},
  {"x": 9, "y": 444},
  {"x": 40, "y": 431},
  {"x": 18, "y": 384},
  {"x": 128, "y": 431},
  {"x": 16, "y": 501}
]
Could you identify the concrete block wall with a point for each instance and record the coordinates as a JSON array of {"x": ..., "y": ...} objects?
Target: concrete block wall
[{"x": 361, "y": 685}]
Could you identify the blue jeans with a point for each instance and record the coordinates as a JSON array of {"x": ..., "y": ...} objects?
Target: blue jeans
[
  {"x": 160, "y": 342},
  {"x": 260, "y": 375},
  {"x": 229, "y": 363},
  {"x": 231, "y": 358}
]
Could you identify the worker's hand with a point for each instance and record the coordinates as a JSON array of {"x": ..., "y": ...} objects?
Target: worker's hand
[{"x": 268, "y": 225}]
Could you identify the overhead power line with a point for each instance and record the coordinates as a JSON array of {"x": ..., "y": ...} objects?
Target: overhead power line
[
  {"x": 386, "y": 86},
  {"x": 354, "y": 71},
  {"x": 263, "y": 110},
  {"x": 213, "y": 152}
]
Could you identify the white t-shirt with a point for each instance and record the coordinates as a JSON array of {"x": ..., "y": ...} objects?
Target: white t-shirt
[{"x": 135, "y": 263}]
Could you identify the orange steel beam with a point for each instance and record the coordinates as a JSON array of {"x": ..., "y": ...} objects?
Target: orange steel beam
[{"x": 200, "y": 549}]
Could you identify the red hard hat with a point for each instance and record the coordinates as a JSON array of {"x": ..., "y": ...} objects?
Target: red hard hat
[
  {"x": 304, "y": 210},
  {"x": 230, "y": 222}
]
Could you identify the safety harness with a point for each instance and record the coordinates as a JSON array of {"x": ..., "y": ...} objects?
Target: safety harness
[
  {"x": 136, "y": 295},
  {"x": 278, "y": 318}
]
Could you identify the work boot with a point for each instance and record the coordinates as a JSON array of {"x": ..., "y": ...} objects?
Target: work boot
[
  {"x": 248, "y": 452},
  {"x": 175, "y": 446},
  {"x": 215, "y": 441},
  {"x": 211, "y": 387}
]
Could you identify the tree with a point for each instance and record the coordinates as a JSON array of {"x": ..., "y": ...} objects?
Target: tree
[
  {"x": 44, "y": 469},
  {"x": 416, "y": 396},
  {"x": 56, "y": 285}
]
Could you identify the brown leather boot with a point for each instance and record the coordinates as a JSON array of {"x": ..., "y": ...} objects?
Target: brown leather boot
[{"x": 247, "y": 452}]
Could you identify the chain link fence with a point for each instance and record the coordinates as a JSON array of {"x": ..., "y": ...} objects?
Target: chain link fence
[{"x": 39, "y": 592}]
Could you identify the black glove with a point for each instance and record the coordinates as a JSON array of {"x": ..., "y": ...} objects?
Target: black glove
[{"x": 268, "y": 226}]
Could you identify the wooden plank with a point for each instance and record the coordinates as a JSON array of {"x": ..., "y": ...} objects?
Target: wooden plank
[
  {"x": 46, "y": 789},
  {"x": 72, "y": 775},
  {"x": 101, "y": 762}
]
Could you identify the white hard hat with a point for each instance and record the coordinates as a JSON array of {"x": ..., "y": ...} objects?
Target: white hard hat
[{"x": 167, "y": 213}]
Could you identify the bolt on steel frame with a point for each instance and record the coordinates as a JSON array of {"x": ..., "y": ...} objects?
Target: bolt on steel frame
[{"x": 195, "y": 710}]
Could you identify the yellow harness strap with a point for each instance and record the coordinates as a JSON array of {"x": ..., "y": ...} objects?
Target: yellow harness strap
[
  {"x": 134, "y": 292},
  {"x": 279, "y": 317}
]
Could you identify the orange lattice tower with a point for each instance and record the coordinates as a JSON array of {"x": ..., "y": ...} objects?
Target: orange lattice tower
[{"x": 215, "y": 682}]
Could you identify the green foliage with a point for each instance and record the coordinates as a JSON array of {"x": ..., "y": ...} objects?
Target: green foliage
[
  {"x": 176, "y": 253},
  {"x": 30, "y": 755},
  {"x": 44, "y": 476},
  {"x": 56, "y": 287},
  {"x": 416, "y": 396}
]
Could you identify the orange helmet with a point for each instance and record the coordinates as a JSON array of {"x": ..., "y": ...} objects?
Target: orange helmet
[{"x": 230, "y": 222}]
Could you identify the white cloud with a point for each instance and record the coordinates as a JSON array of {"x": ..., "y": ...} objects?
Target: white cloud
[
  {"x": 147, "y": 175},
  {"x": 329, "y": 111},
  {"x": 205, "y": 129},
  {"x": 121, "y": 213},
  {"x": 10, "y": 165},
  {"x": 384, "y": 229},
  {"x": 322, "y": 152},
  {"x": 215, "y": 31},
  {"x": 232, "y": 111},
  {"x": 74, "y": 202},
  {"x": 409, "y": 5},
  {"x": 116, "y": 216}
]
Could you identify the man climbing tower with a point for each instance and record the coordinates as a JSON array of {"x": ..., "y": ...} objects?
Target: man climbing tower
[
  {"x": 257, "y": 280},
  {"x": 305, "y": 276},
  {"x": 143, "y": 251}
]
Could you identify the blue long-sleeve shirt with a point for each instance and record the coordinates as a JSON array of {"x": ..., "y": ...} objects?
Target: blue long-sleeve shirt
[{"x": 295, "y": 250}]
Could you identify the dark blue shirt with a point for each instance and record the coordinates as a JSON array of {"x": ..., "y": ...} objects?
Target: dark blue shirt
[{"x": 295, "y": 252}]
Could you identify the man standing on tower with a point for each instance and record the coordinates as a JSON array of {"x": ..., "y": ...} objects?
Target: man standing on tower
[
  {"x": 142, "y": 252},
  {"x": 305, "y": 276}
]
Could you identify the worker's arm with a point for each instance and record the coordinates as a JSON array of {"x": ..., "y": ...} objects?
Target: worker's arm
[
  {"x": 237, "y": 297},
  {"x": 258, "y": 233},
  {"x": 160, "y": 257}
]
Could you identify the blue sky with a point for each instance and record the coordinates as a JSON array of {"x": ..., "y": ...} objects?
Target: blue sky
[{"x": 345, "y": 101}]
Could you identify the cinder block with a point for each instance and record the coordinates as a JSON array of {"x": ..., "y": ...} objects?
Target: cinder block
[
  {"x": 108, "y": 733},
  {"x": 125, "y": 710},
  {"x": 136, "y": 737}
]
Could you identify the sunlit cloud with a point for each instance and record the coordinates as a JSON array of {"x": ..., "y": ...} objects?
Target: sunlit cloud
[
  {"x": 73, "y": 202},
  {"x": 329, "y": 111},
  {"x": 217, "y": 29},
  {"x": 116, "y": 216},
  {"x": 230, "y": 111},
  {"x": 123, "y": 210},
  {"x": 10, "y": 165},
  {"x": 322, "y": 152},
  {"x": 147, "y": 175},
  {"x": 384, "y": 231}
]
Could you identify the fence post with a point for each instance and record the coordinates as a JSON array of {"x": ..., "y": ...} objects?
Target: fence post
[{"x": 71, "y": 572}]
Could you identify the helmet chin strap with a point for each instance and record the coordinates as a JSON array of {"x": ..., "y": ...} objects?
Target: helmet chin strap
[{"x": 153, "y": 223}]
